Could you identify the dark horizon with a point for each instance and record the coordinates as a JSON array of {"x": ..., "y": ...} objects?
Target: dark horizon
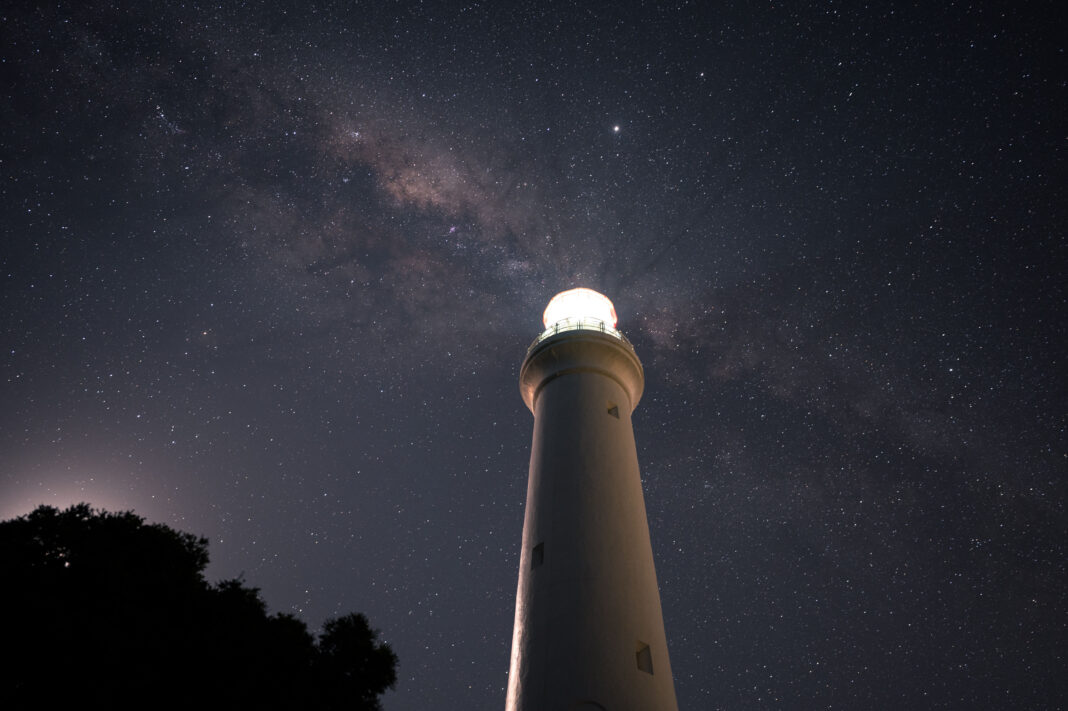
[{"x": 269, "y": 276}]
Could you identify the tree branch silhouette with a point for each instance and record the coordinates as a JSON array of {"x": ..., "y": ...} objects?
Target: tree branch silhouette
[{"x": 102, "y": 608}]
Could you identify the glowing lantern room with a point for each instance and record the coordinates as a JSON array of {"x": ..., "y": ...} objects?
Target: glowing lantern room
[{"x": 580, "y": 309}]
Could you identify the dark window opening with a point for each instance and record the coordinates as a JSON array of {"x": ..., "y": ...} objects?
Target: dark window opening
[
  {"x": 537, "y": 556},
  {"x": 645, "y": 658},
  {"x": 613, "y": 410}
]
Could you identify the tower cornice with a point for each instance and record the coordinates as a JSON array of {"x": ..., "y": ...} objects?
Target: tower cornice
[{"x": 581, "y": 351}]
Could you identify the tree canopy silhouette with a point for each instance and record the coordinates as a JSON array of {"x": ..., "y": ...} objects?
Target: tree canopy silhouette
[{"x": 100, "y": 608}]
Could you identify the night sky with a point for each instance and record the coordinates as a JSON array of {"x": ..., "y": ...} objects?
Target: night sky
[{"x": 268, "y": 276}]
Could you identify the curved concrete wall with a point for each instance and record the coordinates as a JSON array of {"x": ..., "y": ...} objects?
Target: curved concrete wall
[{"x": 588, "y": 623}]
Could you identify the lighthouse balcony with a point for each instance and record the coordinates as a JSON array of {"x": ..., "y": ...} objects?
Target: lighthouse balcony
[{"x": 579, "y": 323}]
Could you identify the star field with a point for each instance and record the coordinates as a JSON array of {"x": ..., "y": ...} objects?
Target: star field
[{"x": 267, "y": 275}]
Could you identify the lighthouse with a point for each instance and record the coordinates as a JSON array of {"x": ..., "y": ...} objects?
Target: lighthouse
[{"x": 589, "y": 631}]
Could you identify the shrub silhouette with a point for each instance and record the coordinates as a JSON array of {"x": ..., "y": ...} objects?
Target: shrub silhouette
[{"x": 103, "y": 609}]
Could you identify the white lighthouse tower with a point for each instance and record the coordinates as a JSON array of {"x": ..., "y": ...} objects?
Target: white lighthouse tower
[{"x": 589, "y": 632}]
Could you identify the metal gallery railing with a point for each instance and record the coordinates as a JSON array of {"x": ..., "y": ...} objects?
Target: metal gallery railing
[{"x": 579, "y": 323}]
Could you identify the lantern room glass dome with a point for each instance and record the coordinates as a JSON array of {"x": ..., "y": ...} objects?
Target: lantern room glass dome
[{"x": 579, "y": 310}]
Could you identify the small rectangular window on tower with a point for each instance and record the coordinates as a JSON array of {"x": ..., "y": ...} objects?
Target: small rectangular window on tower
[
  {"x": 537, "y": 556},
  {"x": 645, "y": 658},
  {"x": 613, "y": 410}
]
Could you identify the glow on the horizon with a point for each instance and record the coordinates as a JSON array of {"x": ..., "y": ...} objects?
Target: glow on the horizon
[{"x": 65, "y": 484}]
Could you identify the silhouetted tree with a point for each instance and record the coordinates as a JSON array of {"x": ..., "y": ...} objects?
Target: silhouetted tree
[
  {"x": 103, "y": 609},
  {"x": 352, "y": 665}
]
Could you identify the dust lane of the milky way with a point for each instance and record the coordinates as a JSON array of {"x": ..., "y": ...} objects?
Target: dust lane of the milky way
[{"x": 268, "y": 275}]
